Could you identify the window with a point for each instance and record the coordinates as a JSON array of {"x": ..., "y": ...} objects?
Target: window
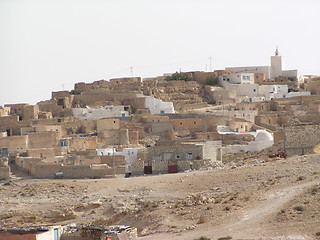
[
  {"x": 189, "y": 156},
  {"x": 254, "y": 90},
  {"x": 63, "y": 143},
  {"x": 162, "y": 111}
]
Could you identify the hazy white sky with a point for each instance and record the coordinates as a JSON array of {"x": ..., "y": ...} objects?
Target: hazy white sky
[{"x": 48, "y": 44}]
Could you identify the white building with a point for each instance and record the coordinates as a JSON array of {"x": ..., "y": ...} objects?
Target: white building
[
  {"x": 271, "y": 72},
  {"x": 259, "y": 93},
  {"x": 98, "y": 113},
  {"x": 249, "y": 90},
  {"x": 253, "y": 69},
  {"x": 263, "y": 139},
  {"x": 276, "y": 68},
  {"x": 238, "y": 78},
  {"x": 273, "y": 91},
  {"x": 157, "y": 106},
  {"x": 130, "y": 155}
]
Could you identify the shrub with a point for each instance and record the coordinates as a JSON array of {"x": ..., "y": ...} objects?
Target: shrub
[
  {"x": 212, "y": 81},
  {"x": 227, "y": 208},
  {"x": 225, "y": 238},
  {"x": 299, "y": 208},
  {"x": 75, "y": 92},
  {"x": 178, "y": 76},
  {"x": 202, "y": 238},
  {"x": 314, "y": 190},
  {"x": 300, "y": 178},
  {"x": 202, "y": 219}
]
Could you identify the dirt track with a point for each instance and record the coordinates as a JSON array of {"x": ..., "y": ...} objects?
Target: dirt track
[{"x": 247, "y": 225}]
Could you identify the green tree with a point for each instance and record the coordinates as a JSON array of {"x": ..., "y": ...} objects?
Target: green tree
[
  {"x": 178, "y": 76},
  {"x": 212, "y": 81},
  {"x": 75, "y": 92}
]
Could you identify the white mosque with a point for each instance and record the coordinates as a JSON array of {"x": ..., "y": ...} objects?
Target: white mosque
[{"x": 271, "y": 72}]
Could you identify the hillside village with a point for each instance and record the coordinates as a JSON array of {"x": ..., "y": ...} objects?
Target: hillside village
[
  {"x": 172, "y": 123},
  {"x": 228, "y": 154}
]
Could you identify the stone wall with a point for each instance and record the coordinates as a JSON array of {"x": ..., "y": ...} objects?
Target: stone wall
[
  {"x": 189, "y": 123},
  {"x": 80, "y": 143},
  {"x": 301, "y": 139},
  {"x": 41, "y": 152},
  {"x": 26, "y": 163},
  {"x": 15, "y": 143},
  {"x": 45, "y": 170},
  {"x": 30, "y": 112},
  {"x": 8, "y": 121},
  {"x": 161, "y": 127},
  {"x": 133, "y": 127},
  {"x": 71, "y": 171},
  {"x": 161, "y": 167},
  {"x": 82, "y": 126},
  {"x": 107, "y": 124},
  {"x": 4, "y": 172},
  {"x": 43, "y": 140},
  {"x": 99, "y": 171}
]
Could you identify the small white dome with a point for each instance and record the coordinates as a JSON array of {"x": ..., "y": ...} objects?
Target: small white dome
[{"x": 264, "y": 136}]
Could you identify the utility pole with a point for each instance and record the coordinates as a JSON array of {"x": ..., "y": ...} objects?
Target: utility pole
[
  {"x": 131, "y": 68},
  {"x": 114, "y": 165},
  {"x": 210, "y": 64},
  {"x": 284, "y": 140}
]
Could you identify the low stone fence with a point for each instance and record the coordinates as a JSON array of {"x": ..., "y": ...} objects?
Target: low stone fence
[{"x": 163, "y": 167}]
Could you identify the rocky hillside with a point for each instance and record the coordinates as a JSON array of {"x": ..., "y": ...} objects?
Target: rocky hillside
[{"x": 261, "y": 199}]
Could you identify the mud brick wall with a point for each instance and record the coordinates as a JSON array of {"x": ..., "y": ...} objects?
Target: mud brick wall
[
  {"x": 137, "y": 168},
  {"x": 301, "y": 139},
  {"x": 159, "y": 167}
]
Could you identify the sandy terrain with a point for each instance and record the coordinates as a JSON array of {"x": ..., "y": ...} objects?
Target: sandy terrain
[{"x": 274, "y": 199}]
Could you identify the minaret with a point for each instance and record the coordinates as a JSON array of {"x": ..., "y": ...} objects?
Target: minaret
[{"x": 276, "y": 65}]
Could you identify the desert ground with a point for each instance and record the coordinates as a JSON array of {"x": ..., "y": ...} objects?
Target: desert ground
[{"x": 252, "y": 198}]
